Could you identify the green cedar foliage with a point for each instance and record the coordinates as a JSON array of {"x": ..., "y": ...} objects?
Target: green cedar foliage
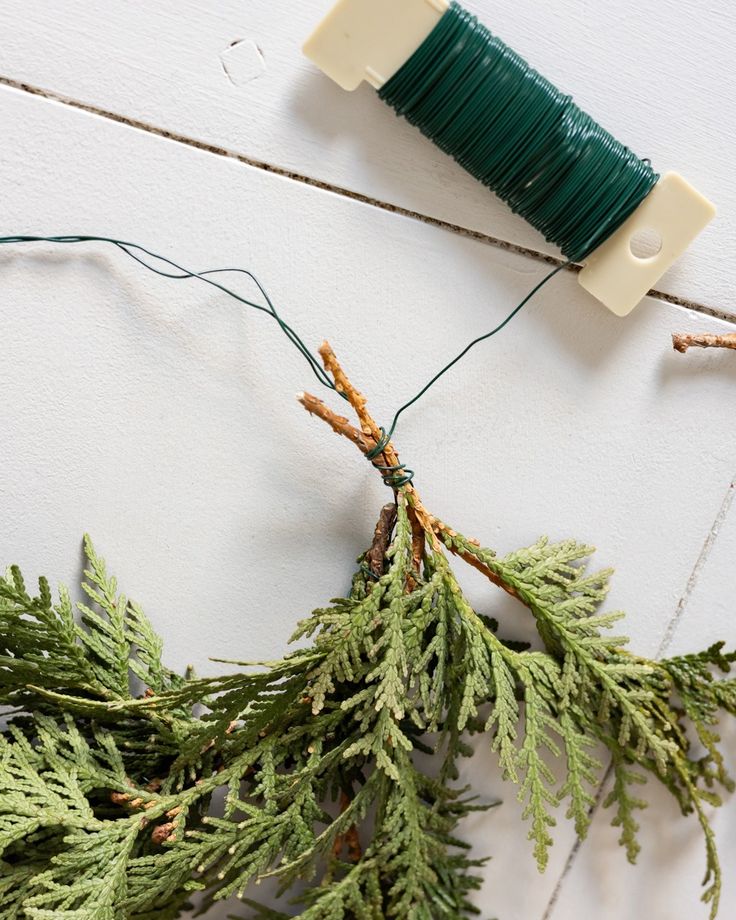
[{"x": 111, "y": 765}]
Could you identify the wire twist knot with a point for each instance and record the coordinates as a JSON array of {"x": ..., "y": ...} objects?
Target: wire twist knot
[{"x": 393, "y": 476}]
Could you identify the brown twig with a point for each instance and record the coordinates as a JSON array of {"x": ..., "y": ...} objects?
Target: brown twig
[
  {"x": 424, "y": 525},
  {"x": 447, "y": 535},
  {"x": 369, "y": 428},
  {"x": 338, "y": 423},
  {"x": 681, "y": 341},
  {"x": 367, "y": 436}
]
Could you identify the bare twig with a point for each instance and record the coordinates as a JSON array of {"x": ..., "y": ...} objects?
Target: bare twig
[
  {"x": 338, "y": 423},
  {"x": 681, "y": 341},
  {"x": 425, "y": 527},
  {"x": 447, "y": 535},
  {"x": 367, "y": 436}
]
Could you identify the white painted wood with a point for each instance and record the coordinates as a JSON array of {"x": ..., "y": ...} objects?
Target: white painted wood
[
  {"x": 160, "y": 416},
  {"x": 665, "y": 883},
  {"x": 658, "y": 76}
]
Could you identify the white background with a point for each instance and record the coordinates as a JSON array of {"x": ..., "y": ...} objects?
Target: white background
[{"x": 160, "y": 416}]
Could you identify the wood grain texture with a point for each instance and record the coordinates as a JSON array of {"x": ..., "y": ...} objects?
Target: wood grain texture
[
  {"x": 161, "y": 417},
  {"x": 232, "y": 74}
]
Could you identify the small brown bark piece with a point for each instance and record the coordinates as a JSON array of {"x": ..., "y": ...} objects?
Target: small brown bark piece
[
  {"x": 417, "y": 541},
  {"x": 381, "y": 539},
  {"x": 355, "y": 851},
  {"x": 350, "y": 840},
  {"x": 681, "y": 341},
  {"x": 163, "y": 832}
]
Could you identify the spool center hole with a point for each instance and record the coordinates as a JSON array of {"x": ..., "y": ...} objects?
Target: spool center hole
[{"x": 645, "y": 244}]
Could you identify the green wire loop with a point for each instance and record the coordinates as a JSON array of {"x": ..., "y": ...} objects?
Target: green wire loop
[
  {"x": 381, "y": 445},
  {"x": 393, "y": 476},
  {"x": 515, "y": 132}
]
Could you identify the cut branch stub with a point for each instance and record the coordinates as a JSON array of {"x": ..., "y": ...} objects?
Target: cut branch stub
[{"x": 681, "y": 341}]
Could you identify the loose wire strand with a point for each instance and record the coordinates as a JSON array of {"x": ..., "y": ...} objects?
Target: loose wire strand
[
  {"x": 393, "y": 476},
  {"x": 476, "y": 341},
  {"x": 184, "y": 274}
]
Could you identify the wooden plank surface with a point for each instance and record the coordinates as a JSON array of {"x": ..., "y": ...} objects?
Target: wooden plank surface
[
  {"x": 666, "y": 881},
  {"x": 160, "y": 417},
  {"x": 232, "y": 74}
]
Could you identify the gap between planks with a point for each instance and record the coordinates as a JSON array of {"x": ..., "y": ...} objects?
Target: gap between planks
[
  {"x": 459, "y": 230},
  {"x": 665, "y": 642}
]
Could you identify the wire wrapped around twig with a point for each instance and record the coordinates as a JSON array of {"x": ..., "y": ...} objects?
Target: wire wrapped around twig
[{"x": 394, "y": 475}]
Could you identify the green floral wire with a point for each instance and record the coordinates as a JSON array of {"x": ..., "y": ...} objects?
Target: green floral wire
[
  {"x": 511, "y": 129},
  {"x": 519, "y": 135},
  {"x": 393, "y": 476},
  {"x": 183, "y": 274}
]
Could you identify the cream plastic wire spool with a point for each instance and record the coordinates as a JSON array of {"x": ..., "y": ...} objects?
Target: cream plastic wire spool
[{"x": 370, "y": 40}]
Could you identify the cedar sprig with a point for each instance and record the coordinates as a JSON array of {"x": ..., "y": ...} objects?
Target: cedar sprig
[{"x": 111, "y": 764}]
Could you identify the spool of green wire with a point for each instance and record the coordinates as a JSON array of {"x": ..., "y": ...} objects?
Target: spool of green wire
[{"x": 515, "y": 132}]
